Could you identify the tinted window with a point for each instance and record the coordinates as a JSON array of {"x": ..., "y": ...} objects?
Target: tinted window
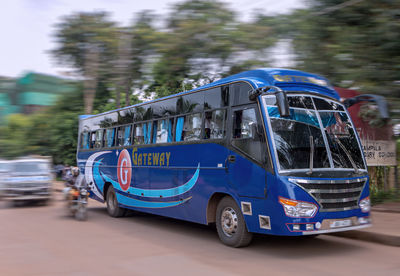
[
  {"x": 190, "y": 103},
  {"x": 138, "y": 134},
  {"x": 321, "y": 104},
  {"x": 99, "y": 139},
  {"x": 85, "y": 140},
  {"x": 213, "y": 98},
  {"x": 241, "y": 93},
  {"x": 214, "y": 124},
  {"x": 244, "y": 122},
  {"x": 188, "y": 128},
  {"x": 164, "y": 131},
  {"x": 124, "y": 136},
  {"x": 300, "y": 102},
  {"x": 246, "y": 136},
  {"x": 109, "y": 138}
]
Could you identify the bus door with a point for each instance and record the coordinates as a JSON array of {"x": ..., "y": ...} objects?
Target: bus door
[{"x": 245, "y": 164}]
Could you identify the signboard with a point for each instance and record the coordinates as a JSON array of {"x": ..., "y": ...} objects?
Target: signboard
[{"x": 379, "y": 152}]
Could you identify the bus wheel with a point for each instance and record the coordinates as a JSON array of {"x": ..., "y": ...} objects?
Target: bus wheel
[
  {"x": 112, "y": 204},
  {"x": 230, "y": 223}
]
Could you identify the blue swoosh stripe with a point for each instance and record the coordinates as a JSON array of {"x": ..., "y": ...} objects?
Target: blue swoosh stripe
[
  {"x": 161, "y": 192},
  {"x": 98, "y": 181},
  {"x": 130, "y": 202}
]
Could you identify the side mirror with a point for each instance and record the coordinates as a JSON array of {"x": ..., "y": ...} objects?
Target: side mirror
[
  {"x": 283, "y": 104},
  {"x": 378, "y": 100}
]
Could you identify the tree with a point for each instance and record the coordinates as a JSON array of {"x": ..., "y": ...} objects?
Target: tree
[
  {"x": 203, "y": 41},
  {"x": 357, "y": 44},
  {"x": 88, "y": 43}
]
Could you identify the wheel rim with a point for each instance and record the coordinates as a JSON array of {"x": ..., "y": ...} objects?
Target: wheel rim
[{"x": 229, "y": 221}]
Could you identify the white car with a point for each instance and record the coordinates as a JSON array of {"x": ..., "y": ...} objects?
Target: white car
[{"x": 28, "y": 178}]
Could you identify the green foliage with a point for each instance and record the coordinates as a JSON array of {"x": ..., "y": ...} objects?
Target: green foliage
[
  {"x": 380, "y": 196},
  {"x": 204, "y": 40},
  {"x": 77, "y": 33},
  {"x": 357, "y": 44}
]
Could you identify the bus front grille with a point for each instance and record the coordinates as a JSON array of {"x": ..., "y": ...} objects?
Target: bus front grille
[{"x": 334, "y": 195}]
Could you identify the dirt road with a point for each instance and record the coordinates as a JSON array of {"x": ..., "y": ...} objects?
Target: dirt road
[{"x": 42, "y": 240}]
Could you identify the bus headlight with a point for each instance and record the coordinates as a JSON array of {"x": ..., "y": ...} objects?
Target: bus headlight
[
  {"x": 298, "y": 209},
  {"x": 365, "y": 205}
]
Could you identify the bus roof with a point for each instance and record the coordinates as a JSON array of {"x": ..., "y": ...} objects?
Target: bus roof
[{"x": 287, "y": 79}]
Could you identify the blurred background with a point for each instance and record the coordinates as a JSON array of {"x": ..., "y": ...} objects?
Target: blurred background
[{"x": 60, "y": 59}]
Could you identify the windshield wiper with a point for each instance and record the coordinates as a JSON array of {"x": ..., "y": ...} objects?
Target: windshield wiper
[
  {"x": 311, "y": 155},
  {"x": 356, "y": 170}
]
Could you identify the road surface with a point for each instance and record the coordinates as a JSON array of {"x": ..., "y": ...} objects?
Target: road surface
[{"x": 43, "y": 240}]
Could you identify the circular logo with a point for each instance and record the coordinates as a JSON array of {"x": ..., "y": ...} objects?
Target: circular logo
[{"x": 124, "y": 170}]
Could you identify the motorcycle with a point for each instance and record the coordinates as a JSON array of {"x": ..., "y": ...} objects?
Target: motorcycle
[
  {"x": 77, "y": 200},
  {"x": 76, "y": 195}
]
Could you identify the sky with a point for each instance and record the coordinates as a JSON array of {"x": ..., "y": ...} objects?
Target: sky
[{"x": 27, "y": 26}]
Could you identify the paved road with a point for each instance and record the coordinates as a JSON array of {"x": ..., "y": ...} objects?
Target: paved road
[{"x": 42, "y": 240}]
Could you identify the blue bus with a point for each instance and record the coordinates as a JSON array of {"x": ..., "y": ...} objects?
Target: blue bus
[{"x": 270, "y": 151}]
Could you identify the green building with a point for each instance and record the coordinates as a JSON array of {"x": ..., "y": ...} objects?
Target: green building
[
  {"x": 31, "y": 93},
  {"x": 8, "y": 92}
]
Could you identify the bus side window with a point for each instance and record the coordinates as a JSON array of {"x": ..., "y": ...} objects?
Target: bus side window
[
  {"x": 92, "y": 139},
  {"x": 243, "y": 122},
  {"x": 110, "y": 138},
  {"x": 127, "y": 136},
  {"x": 124, "y": 136},
  {"x": 85, "y": 140},
  {"x": 138, "y": 134},
  {"x": 192, "y": 127},
  {"x": 162, "y": 131},
  {"x": 214, "y": 124},
  {"x": 147, "y": 132},
  {"x": 99, "y": 139},
  {"x": 244, "y": 134},
  {"x": 180, "y": 121}
]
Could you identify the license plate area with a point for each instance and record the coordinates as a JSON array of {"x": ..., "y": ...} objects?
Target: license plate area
[{"x": 340, "y": 223}]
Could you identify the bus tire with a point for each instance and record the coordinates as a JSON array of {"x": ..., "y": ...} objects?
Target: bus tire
[
  {"x": 230, "y": 224},
  {"x": 112, "y": 204}
]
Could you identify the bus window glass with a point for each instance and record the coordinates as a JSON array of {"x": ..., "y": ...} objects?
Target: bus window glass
[
  {"x": 342, "y": 140},
  {"x": 138, "y": 134},
  {"x": 322, "y": 104},
  {"x": 296, "y": 137},
  {"x": 85, "y": 140},
  {"x": 124, "y": 136},
  {"x": 179, "y": 129},
  {"x": 245, "y": 135},
  {"x": 163, "y": 131},
  {"x": 214, "y": 124},
  {"x": 300, "y": 102},
  {"x": 192, "y": 127},
  {"x": 243, "y": 122},
  {"x": 147, "y": 132},
  {"x": 92, "y": 139},
  {"x": 110, "y": 137},
  {"x": 213, "y": 98},
  {"x": 99, "y": 139}
]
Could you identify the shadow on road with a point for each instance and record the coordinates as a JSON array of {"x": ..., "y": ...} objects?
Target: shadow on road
[{"x": 159, "y": 228}]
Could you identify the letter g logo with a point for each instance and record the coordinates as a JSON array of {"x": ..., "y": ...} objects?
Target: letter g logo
[{"x": 124, "y": 170}]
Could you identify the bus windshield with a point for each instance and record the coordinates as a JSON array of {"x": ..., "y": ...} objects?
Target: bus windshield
[{"x": 318, "y": 134}]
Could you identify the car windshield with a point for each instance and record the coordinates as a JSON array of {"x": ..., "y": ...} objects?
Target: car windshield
[
  {"x": 317, "y": 134},
  {"x": 31, "y": 167}
]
